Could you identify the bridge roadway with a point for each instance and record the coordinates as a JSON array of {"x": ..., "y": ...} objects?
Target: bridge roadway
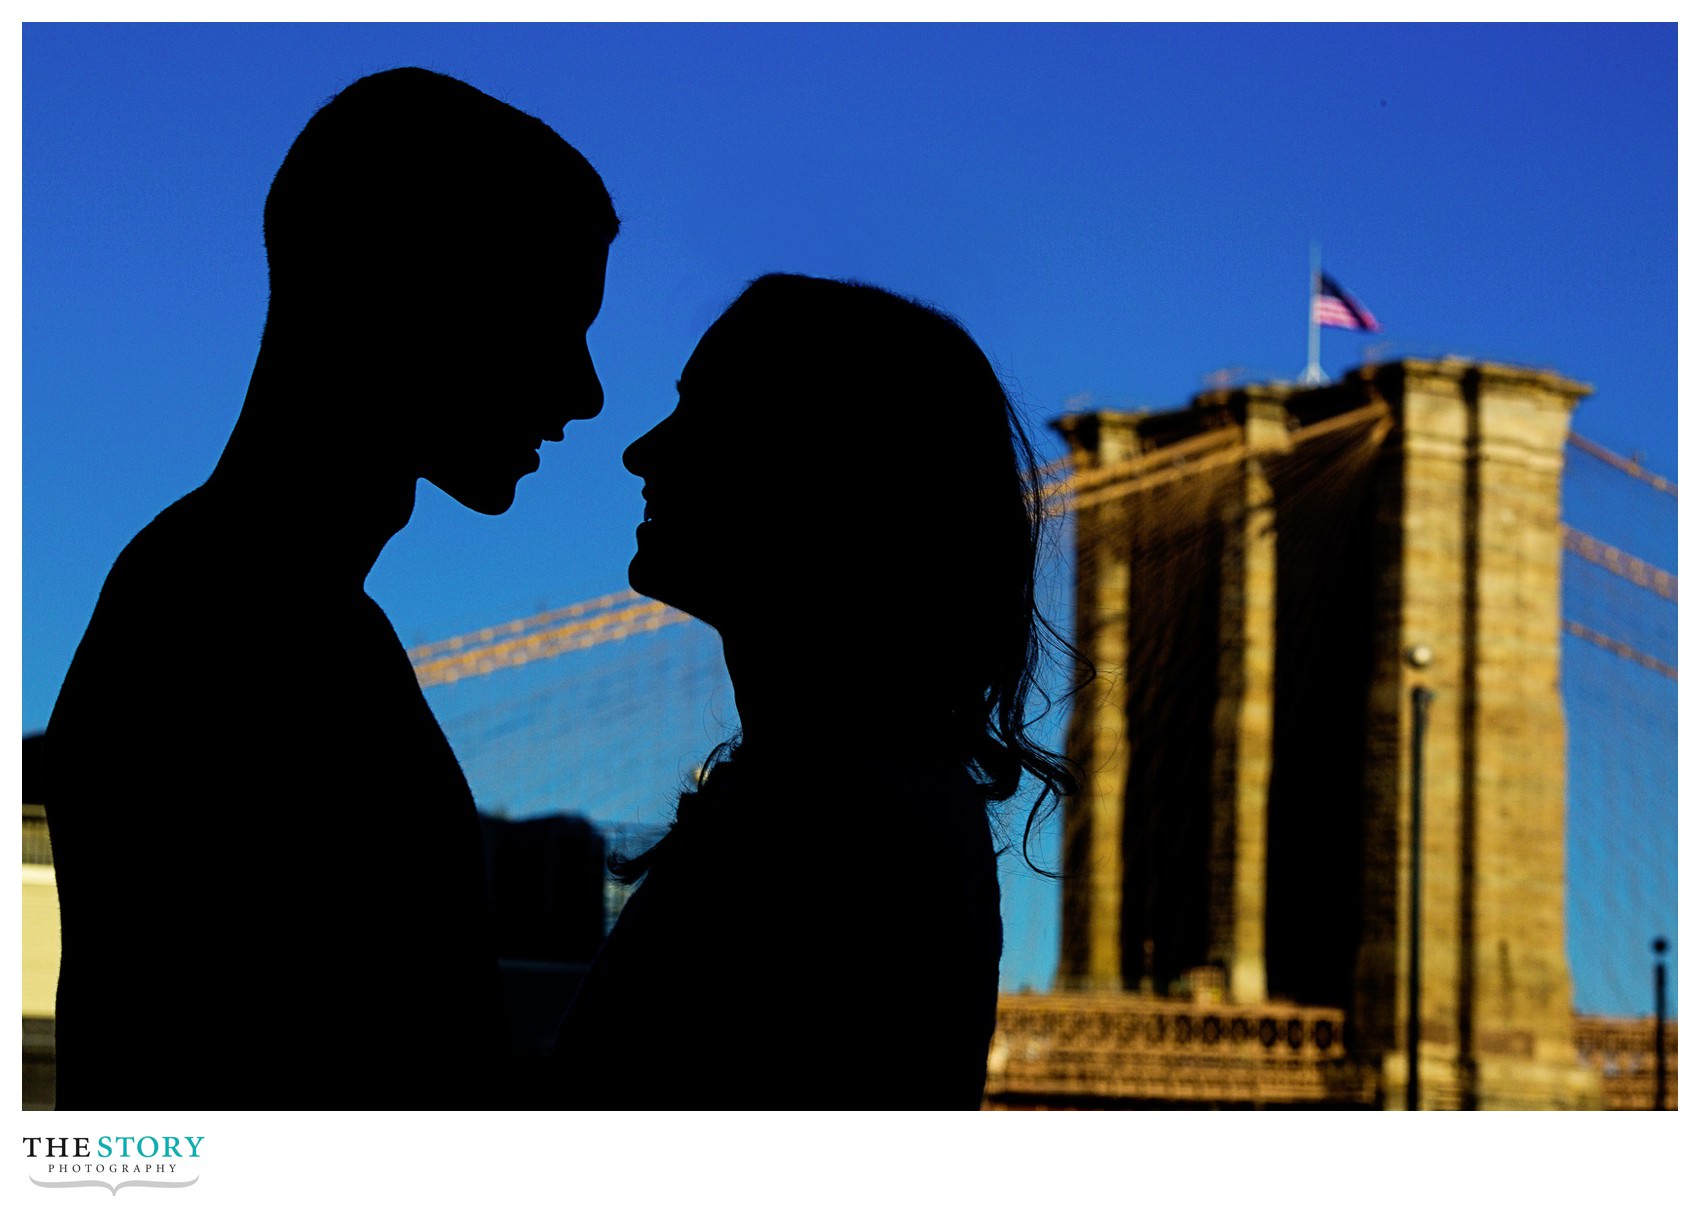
[
  {"x": 1101, "y": 1050},
  {"x": 1054, "y": 1050}
]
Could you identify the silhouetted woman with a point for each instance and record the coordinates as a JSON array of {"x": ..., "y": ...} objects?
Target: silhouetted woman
[{"x": 841, "y": 493}]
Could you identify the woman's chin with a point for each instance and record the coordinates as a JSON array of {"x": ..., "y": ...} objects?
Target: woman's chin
[
  {"x": 637, "y": 576},
  {"x": 644, "y": 578}
]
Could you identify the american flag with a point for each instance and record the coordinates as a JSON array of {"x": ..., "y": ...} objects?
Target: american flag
[{"x": 1331, "y": 305}]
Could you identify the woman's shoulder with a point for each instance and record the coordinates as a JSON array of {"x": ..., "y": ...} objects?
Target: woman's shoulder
[
  {"x": 931, "y": 802},
  {"x": 915, "y": 836}
]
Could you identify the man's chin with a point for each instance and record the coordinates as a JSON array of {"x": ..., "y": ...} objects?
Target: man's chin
[
  {"x": 491, "y": 505},
  {"x": 489, "y": 499}
]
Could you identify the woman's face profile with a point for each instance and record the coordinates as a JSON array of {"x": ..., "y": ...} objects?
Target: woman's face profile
[
  {"x": 764, "y": 502},
  {"x": 706, "y": 511}
]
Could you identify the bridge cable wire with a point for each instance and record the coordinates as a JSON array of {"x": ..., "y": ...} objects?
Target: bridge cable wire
[
  {"x": 616, "y": 616},
  {"x": 590, "y": 737}
]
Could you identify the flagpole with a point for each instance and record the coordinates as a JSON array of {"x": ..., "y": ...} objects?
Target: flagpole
[{"x": 1312, "y": 373}]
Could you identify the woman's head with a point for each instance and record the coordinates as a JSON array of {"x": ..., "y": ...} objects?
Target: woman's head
[{"x": 844, "y": 470}]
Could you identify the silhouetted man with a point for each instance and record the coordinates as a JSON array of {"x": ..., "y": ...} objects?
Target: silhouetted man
[{"x": 268, "y": 858}]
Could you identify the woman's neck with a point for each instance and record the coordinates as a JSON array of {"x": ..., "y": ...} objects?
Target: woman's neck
[{"x": 794, "y": 700}]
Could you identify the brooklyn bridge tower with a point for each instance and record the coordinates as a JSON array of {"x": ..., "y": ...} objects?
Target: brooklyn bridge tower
[{"x": 1263, "y": 578}]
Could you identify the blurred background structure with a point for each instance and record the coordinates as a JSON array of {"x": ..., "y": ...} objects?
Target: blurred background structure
[
  {"x": 1260, "y": 579},
  {"x": 1119, "y": 214},
  {"x": 1266, "y": 582}
]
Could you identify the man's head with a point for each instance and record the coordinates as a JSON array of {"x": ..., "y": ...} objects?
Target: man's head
[{"x": 444, "y": 254}]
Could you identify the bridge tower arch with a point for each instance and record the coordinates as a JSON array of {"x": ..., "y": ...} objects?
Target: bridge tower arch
[{"x": 1251, "y": 572}]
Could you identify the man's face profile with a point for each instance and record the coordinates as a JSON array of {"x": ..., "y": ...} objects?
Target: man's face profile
[
  {"x": 440, "y": 256},
  {"x": 502, "y": 368}
]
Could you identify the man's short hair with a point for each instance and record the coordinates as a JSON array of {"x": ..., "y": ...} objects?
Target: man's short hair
[{"x": 408, "y": 177}]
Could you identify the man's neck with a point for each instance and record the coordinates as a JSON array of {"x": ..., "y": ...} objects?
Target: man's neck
[{"x": 293, "y": 477}]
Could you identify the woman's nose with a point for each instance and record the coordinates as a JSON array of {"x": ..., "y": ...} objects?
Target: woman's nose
[{"x": 638, "y": 458}]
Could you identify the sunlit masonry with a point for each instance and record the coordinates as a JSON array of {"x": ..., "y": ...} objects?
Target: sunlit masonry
[{"x": 1262, "y": 579}]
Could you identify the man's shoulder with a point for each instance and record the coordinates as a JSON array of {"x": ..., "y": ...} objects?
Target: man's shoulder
[
  {"x": 173, "y": 554},
  {"x": 174, "y": 614}
]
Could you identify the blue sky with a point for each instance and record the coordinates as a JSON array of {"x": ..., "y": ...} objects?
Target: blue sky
[{"x": 1113, "y": 211}]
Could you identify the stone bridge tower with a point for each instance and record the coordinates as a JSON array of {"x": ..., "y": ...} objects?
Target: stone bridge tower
[{"x": 1252, "y": 571}]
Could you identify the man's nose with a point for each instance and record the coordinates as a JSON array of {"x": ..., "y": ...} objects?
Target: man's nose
[{"x": 585, "y": 398}]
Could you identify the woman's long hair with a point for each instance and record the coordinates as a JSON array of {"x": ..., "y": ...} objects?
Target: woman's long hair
[{"x": 949, "y": 515}]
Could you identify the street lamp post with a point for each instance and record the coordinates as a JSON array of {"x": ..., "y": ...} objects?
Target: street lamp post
[
  {"x": 1418, "y": 656},
  {"x": 1659, "y": 948}
]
